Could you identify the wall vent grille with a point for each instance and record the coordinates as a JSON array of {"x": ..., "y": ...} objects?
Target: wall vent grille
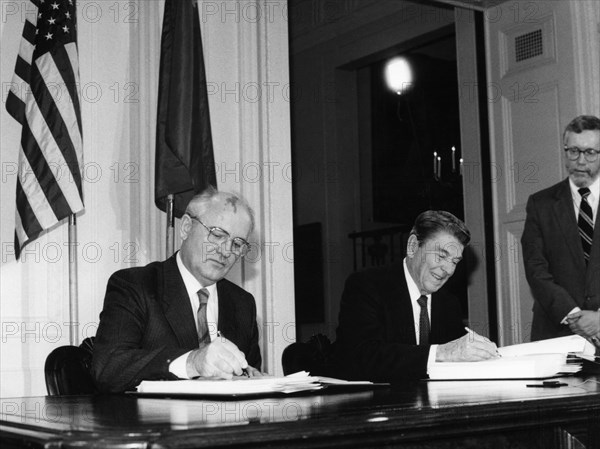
[{"x": 529, "y": 45}]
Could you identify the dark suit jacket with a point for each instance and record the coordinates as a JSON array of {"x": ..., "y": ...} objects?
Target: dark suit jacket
[
  {"x": 554, "y": 263},
  {"x": 148, "y": 321},
  {"x": 376, "y": 334}
]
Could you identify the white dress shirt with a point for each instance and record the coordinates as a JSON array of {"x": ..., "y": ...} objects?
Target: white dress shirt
[
  {"x": 179, "y": 365},
  {"x": 592, "y": 199},
  {"x": 415, "y": 294}
]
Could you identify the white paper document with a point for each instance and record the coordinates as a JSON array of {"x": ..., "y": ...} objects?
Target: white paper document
[
  {"x": 573, "y": 344},
  {"x": 536, "y": 360},
  {"x": 293, "y": 383}
]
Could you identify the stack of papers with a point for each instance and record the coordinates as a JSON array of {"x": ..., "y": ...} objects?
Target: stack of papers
[
  {"x": 573, "y": 344},
  {"x": 242, "y": 386},
  {"x": 536, "y": 360}
]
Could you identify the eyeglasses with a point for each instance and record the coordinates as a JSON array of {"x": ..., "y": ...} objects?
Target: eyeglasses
[
  {"x": 573, "y": 153},
  {"x": 239, "y": 246}
]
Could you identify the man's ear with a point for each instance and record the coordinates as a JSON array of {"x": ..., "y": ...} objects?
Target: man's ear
[
  {"x": 186, "y": 226},
  {"x": 412, "y": 245}
]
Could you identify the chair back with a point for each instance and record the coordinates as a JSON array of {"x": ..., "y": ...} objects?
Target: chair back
[
  {"x": 67, "y": 370},
  {"x": 312, "y": 356}
]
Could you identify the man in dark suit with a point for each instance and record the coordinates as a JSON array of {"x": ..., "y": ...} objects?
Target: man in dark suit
[
  {"x": 180, "y": 318},
  {"x": 561, "y": 250},
  {"x": 395, "y": 322}
]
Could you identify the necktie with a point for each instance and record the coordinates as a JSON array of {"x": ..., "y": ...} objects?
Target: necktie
[
  {"x": 423, "y": 321},
  {"x": 585, "y": 223},
  {"x": 203, "y": 334}
]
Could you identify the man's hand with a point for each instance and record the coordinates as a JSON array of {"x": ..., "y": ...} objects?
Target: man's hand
[
  {"x": 253, "y": 372},
  {"x": 468, "y": 348},
  {"x": 220, "y": 358},
  {"x": 584, "y": 322}
]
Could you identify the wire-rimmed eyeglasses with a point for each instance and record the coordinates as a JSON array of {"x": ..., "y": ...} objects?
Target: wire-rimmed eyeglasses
[
  {"x": 239, "y": 246},
  {"x": 573, "y": 153}
]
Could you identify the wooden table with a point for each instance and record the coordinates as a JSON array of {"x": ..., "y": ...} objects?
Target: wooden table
[{"x": 479, "y": 414}]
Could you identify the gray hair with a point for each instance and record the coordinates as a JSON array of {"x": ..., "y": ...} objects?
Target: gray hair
[
  {"x": 582, "y": 123},
  {"x": 203, "y": 200}
]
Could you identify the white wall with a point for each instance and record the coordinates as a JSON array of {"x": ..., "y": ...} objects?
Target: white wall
[
  {"x": 119, "y": 47},
  {"x": 530, "y": 103}
]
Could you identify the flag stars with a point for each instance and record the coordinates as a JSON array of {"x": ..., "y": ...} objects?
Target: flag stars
[
  {"x": 51, "y": 20},
  {"x": 54, "y": 5},
  {"x": 68, "y": 15},
  {"x": 48, "y": 36},
  {"x": 65, "y": 29}
]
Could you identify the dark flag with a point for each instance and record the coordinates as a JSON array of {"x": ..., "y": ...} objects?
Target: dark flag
[
  {"x": 44, "y": 99},
  {"x": 184, "y": 153}
]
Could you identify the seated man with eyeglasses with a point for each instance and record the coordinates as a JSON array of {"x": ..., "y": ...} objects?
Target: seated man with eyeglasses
[
  {"x": 561, "y": 241},
  {"x": 180, "y": 318}
]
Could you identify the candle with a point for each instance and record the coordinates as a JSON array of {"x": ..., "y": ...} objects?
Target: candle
[
  {"x": 461, "y": 165},
  {"x": 435, "y": 164},
  {"x": 453, "y": 160},
  {"x": 439, "y": 167}
]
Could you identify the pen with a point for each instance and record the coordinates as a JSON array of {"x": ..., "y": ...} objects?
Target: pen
[
  {"x": 473, "y": 332},
  {"x": 549, "y": 384},
  {"x": 245, "y": 371}
]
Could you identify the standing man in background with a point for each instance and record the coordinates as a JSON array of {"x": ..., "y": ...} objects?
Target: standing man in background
[
  {"x": 561, "y": 241},
  {"x": 180, "y": 318}
]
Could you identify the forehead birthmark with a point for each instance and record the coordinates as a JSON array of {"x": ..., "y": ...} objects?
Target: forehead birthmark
[{"x": 232, "y": 201}]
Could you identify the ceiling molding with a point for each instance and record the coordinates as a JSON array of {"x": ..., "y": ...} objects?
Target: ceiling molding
[{"x": 477, "y": 5}]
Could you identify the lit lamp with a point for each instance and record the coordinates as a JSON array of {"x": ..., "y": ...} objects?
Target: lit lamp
[{"x": 398, "y": 75}]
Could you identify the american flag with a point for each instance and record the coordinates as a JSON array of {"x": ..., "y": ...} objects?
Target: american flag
[{"x": 44, "y": 99}]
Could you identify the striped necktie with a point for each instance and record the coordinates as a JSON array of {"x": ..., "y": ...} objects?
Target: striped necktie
[
  {"x": 203, "y": 334},
  {"x": 423, "y": 321},
  {"x": 585, "y": 223}
]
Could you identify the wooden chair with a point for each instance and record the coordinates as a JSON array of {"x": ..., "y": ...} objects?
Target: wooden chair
[
  {"x": 67, "y": 370},
  {"x": 313, "y": 356}
]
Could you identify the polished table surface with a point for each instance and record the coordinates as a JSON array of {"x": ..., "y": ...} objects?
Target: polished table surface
[{"x": 415, "y": 414}]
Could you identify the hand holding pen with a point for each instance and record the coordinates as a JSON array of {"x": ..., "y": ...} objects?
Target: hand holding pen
[
  {"x": 220, "y": 359},
  {"x": 468, "y": 348},
  {"x": 485, "y": 339}
]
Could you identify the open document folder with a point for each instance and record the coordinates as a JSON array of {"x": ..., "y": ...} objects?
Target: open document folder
[
  {"x": 241, "y": 386},
  {"x": 536, "y": 360}
]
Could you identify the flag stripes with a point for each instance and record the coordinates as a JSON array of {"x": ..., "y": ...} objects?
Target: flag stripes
[{"x": 44, "y": 99}]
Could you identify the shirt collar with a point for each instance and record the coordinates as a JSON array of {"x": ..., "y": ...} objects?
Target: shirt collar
[
  {"x": 192, "y": 285},
  {"x": 413, "y": 290},
  {"x": 594, "y": 189}
]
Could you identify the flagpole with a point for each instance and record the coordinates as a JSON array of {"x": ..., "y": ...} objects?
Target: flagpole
[
  {"x": 170, "y": 226},
  {"x": 73, "y": 290}
]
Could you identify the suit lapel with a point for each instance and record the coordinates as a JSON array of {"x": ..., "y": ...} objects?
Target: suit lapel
[
  {"x": 176, "y": 305},
  {"x": 226, "y": 311},
  {"x": 402, "y": 310},
  {"x": 437, "y": 315},
  {"x": 593, "y": 267},
  {"x": 565, "y": 217}
]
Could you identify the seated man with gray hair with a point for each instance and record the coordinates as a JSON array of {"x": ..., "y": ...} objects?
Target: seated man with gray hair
[{"x": 180, "y": 318}]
